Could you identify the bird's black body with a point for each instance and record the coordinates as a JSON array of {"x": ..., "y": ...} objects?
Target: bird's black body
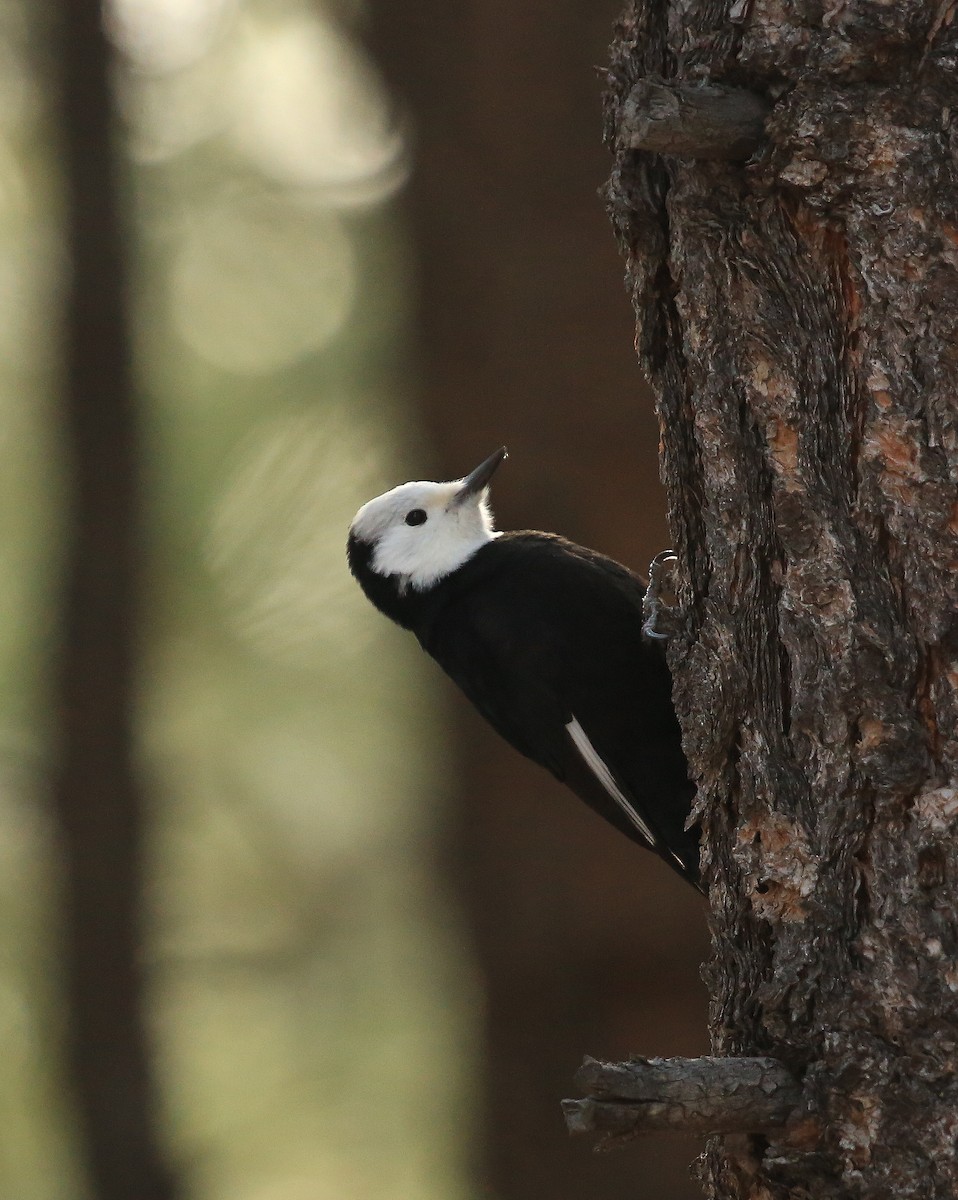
[{"x": 539, "y": 632}]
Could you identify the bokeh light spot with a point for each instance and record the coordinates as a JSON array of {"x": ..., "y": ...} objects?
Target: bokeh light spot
[
  {"x": 258, "y": 284},
  {"x": 312, "y": 111},
  {"x": 166, "y": 35},
  {"x": 277, "y": 541},
  {"x": 169, "y": 114}
]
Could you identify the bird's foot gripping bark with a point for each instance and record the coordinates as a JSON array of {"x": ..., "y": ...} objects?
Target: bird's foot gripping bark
[{"x": 661, "y": 617}]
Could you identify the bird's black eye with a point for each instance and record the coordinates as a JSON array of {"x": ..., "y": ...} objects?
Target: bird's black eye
[{"x": 416, "y": 517}]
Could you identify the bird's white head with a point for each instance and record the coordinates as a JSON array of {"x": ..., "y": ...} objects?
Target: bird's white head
[{"x": 422, "y": 532}]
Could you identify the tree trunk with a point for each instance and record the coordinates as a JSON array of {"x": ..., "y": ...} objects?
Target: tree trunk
[{"x": 798, "y": 316}]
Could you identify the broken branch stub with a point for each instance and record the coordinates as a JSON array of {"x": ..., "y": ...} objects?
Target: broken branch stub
[
  {"x": 689, "y": 1095},
  {"x": 693, "y": 120}
]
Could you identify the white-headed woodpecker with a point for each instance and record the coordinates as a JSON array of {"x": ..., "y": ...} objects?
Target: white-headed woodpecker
[{"x": 545, "y": 638}]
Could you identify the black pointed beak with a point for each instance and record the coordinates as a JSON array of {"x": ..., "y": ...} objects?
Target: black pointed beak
[{"x": 478, "y": 479}]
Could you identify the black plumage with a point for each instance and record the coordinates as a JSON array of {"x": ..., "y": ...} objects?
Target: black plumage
[{"x": 545, "y": 638}]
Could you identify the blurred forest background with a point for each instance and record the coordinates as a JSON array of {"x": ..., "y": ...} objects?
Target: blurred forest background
[{"x": 364, "y": 244}]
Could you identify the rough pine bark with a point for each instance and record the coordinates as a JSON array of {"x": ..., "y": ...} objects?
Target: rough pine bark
[{"x": 798, "y": 317}]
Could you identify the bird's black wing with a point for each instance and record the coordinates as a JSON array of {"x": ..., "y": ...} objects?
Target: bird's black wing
[{"x": 544, "y": 638}]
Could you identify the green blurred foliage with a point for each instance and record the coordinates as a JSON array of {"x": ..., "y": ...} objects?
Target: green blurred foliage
[{"x": 310, "y": 994}]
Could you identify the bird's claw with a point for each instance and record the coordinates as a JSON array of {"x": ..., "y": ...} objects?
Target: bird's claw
[{"x": 660, "y": 617}]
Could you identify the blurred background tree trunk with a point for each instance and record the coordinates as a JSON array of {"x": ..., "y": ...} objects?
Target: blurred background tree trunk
[
  {"x": 583, "y": 942},
  {"x": 96, "y": 798},
  {"x": 797, "y": 315}
]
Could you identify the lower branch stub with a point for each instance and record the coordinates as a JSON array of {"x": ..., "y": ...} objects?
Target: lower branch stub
[{"x": 688, "y": 1095}]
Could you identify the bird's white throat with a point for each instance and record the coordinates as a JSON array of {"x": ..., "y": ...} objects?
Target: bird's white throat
[{"x": 418, "y": 552}]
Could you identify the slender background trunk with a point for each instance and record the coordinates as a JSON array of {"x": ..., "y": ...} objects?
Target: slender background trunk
[
  {"x": 96, "y": 798},
  {"x": 797, "y": 315}
]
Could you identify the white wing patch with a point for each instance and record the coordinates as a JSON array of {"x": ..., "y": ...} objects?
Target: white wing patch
[{"x": 604, "y": 776}]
